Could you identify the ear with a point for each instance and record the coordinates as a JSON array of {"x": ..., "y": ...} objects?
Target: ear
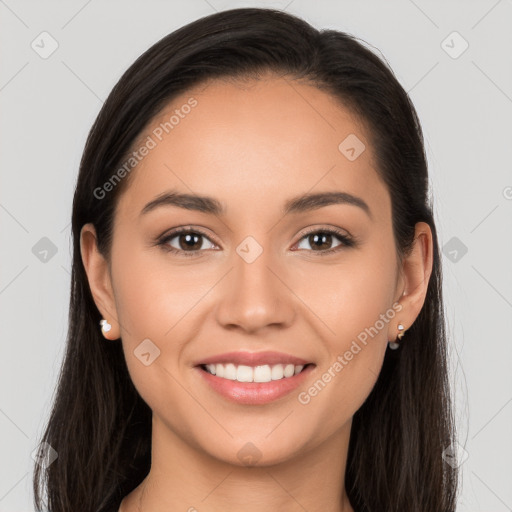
[
  {"x": 98, "y": 275},
  {"x": 416, "y": 271}
]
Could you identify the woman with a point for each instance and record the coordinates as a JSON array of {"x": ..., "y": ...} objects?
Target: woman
[{"x": 256, "y": 315}]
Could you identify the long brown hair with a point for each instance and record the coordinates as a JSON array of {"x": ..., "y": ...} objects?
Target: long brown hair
[{"x": 100, "y": 426}]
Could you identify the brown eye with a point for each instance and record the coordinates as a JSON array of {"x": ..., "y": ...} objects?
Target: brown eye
[
  {"x": 188, "y": 242},
  {"x": 321, "y": 241}
]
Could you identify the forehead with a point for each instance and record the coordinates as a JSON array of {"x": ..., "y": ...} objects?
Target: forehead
[{"x": 253, "y": 143}]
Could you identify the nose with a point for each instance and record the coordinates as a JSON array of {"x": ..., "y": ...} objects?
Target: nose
[{"x": 255, "y": 296}]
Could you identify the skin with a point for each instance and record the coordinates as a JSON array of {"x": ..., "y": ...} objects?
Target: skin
[{"x": 253, "y": 146}]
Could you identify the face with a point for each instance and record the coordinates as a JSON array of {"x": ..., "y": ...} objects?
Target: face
[{"x": 312, "y": 280}]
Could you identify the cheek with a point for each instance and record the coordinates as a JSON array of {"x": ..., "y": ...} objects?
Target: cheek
[
  {"x": 357, "y": 307},
  {"x": 348, "y": 298},
  {"x": 152, "y": 300},
  {"x": 159, "y": 301},
  {"x": 152, "y": 292}
]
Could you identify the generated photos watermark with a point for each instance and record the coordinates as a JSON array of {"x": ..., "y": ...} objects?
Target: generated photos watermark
[
  {"x": 342, "y": 360},
  {"x": 151, "y": 142}
]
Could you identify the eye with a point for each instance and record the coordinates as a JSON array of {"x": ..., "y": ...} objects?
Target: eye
[
  {"x": 319, "y": 238},
  {"x": 189, "y": 242}
]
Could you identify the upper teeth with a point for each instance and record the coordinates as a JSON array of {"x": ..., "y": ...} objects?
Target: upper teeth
[{"x": 264, "y": 373}]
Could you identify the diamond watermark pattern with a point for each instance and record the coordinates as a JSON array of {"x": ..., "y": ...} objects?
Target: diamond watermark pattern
[
  {"x": 454, "y": 45},
  {"x": 44, "y": 455},
  {"x": 249, "y": 454},
  {"x": 44, "y": 249},
  {"x": 455, "y": 455},
  {"x": 454, "y": 249},
  {"x": 249, "y": 249},
  {"x": 351, "y": 147},
  {"x": 147, "y": 352},
  {"x": 44, "y": 45}
]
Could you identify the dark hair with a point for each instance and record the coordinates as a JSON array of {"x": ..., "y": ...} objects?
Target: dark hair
[{"x": 101, "y": 427}]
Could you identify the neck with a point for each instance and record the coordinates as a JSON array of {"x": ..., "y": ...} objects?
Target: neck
[{"x": 184, "y": 478}]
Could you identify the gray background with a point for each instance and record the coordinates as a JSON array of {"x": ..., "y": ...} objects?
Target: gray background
[{"x": 465, "y": 105}]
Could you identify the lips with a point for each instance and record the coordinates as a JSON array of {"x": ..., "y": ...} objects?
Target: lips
[
  {"x": 253, "y": 359},
  {"x": 254, "y": 393}
]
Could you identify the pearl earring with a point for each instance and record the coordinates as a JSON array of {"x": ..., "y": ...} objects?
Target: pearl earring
[
  {"x": 105, "y": 326},
  {"x": 393, "y": 345}
]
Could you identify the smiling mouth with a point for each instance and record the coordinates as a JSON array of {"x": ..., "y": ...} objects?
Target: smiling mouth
[{"x": 261, "y": 373}]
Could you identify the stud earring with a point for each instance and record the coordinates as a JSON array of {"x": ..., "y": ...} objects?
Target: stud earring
[
  {"x": 393, "y": 345},
  {"x": 105, "y": 326}
]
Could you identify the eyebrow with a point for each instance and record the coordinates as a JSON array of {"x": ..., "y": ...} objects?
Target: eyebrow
[{"x": 299, "y": 204}]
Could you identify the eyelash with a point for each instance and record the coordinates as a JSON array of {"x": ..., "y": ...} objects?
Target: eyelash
[{"x": 347, "y": 241}]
